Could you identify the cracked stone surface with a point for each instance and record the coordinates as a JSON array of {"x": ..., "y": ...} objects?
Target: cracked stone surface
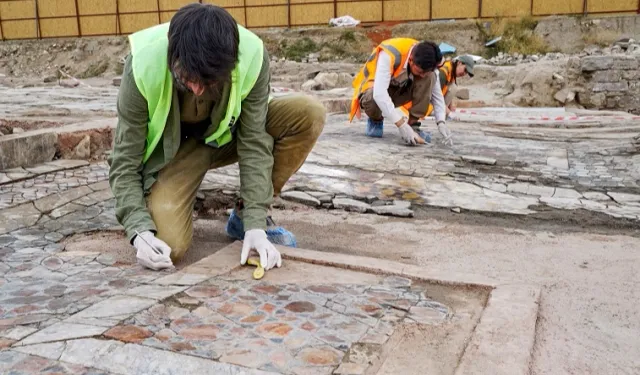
[{"x": 81, "y": 312}]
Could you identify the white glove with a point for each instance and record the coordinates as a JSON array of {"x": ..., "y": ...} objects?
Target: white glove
[
  {"x": 409, "y": 136},
  {"x": 147, "y": 257},
  {"x": 453, "y": 116},
  {"x": 256, "y": 239},
  {"x": 446, "y": 133}
]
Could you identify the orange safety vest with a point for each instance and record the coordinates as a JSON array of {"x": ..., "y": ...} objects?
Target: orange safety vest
[
  {"x": 398, "y": 49},
  {"x": 447, "y": 70}
]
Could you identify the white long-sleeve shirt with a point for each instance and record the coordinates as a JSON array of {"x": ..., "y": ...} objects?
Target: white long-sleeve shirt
[{"x": 383, "y": 100}]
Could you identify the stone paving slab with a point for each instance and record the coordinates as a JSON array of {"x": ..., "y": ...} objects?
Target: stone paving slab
[
  {"x": 210, "y": 317},
  {"x": 15, "y": 363},
  {"x": 511, "y": 314}
]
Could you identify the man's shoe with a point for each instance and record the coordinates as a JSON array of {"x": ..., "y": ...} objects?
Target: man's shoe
[
  {"x": 275, "y": 234},
  {"x": 374, "y": 128},
  {"x": 426, "y": 136}
]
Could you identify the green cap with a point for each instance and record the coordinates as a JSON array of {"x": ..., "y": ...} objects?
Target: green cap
[{"x": 468, "y": 62}]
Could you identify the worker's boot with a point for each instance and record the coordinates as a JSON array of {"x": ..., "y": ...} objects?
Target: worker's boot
[
  {"x": 421, "y": 133},
  {"x": 275, "y": 234},
  {"x": 374, "y": 128}
]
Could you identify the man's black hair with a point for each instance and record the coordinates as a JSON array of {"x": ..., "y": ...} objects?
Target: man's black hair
[
  {"x": 427, "y": 56},
  {"x": 203, "y": 44}
]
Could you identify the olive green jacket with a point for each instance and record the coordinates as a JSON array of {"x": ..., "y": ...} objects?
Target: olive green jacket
[{"x": 131, "y": 179}]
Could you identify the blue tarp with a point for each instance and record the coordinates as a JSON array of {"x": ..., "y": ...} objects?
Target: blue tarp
[{"x": 446, "y": 48}]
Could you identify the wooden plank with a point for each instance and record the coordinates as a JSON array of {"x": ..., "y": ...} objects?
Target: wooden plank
[
  {"x": 365, "y": 11},
  {"x": 59, "y": 27},
  {"x": 98, "y": 25},
  {"x": 306, "y": 14}
]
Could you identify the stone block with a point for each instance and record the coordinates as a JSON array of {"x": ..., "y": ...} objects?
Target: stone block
[
  {"x": 51, "y": 350},
  {"x": 611, "y": 87},
  {"x": 339, "y": 105},
  {"x": 63, "y": 331},
  {"x": 322, "y": 196},
  {"x": 393, "y": 210},
  {"x": 596, "y": 196},
  {"x": 631, "y": 75},
  {"x": 624, "y": 197},
  {"x": 119, "y": 358},
  {"x": 607, "y": 76},
  {"x": 301, "y": 197},
  {"x": 351, "y": 205},
  {"x": 351, "y": 369},
  {"x": 562, "y": 203},
  {"x": 558, "y": 162},
  {"x": 462, "y": 94},
  {"x": 22, "y": 150},
  {"x": 567, "y": 194},
  {"x": 51, "y": 202},
  {"x": 18, "y": 217},
  {"x": 594, "y": 63},
  {"x": 625, "y": 63},
  {"x": 479, "y": 159}
]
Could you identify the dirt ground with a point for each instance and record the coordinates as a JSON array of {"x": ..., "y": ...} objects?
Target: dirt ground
[{"x": 587, "y": 323}]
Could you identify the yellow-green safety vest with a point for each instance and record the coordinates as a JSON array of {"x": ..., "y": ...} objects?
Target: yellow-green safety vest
[{"x": 149, "y": 49}]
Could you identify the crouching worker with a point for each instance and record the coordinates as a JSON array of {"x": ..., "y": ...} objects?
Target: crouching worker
[
  {"x": 449, "y": 72},
  {"x": 195, "y": 96},
  {"x": 400, "y": 71}
]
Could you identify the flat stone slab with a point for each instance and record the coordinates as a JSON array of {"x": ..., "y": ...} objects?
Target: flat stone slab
[
  {"x": 503, "y": 341},
  {"x": 23, "y": 150},
  {"x": 18, "y": 217},
  {"x": 301, "y": 197},
  {"x": 352, "y": 205},
  {"x": 479, "y": 159},
  {"x": 624, "y": 197},
  {"x": 13, "y": 362},
  {"x": 116, "y": 306},
  {"x": 63, "y": 331},
  {"x": 303, "y": 318},
  {"x": 122, "y": 358}
]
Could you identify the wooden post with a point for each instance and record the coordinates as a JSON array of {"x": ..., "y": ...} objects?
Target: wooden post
[
  {"x": 78, "y": 19},
  {"x": 38, "y": 30},
  {"x": 158, "y": 5},
  {"x": 118, "y": 31},
  {"x": 1, "y": 31},
  {"x": 430, "y": 10},
  {"x": 244, "y": 6},
  {"x": 585, "y": 7}
]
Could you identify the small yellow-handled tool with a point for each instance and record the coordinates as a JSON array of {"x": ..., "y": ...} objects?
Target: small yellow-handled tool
[{"x": 259, "y": 271}]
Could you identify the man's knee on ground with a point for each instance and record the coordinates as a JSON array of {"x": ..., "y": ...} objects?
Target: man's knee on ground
[
  {"x": 173, "y": 228},
  {"x": 179, "y": 242}
]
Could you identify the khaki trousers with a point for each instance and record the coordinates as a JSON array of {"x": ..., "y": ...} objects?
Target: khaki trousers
[
  {"x": 402, "y": 91},
  {"x": 294, "y": 122}
]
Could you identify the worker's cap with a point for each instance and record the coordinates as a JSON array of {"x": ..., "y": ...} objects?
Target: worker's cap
[{"x": 468, "y": 62}]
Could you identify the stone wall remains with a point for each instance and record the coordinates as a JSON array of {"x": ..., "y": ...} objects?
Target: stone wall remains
[{"x": 610, "y": 82}]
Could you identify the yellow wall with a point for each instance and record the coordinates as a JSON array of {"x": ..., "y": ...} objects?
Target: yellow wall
[
  {"x": 365, "y": 11},
  {"x": 98, "y": 17},
  {"x": 558, "y": 7},
  {"x": 455, "y": 9},
  {"x": 399, "y": 10},
  {"x": 594, "y": 6},
  {"x": 506, "y": 8}
]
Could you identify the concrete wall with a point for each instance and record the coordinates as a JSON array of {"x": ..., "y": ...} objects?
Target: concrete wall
[{"x": 26, "y": 19}]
